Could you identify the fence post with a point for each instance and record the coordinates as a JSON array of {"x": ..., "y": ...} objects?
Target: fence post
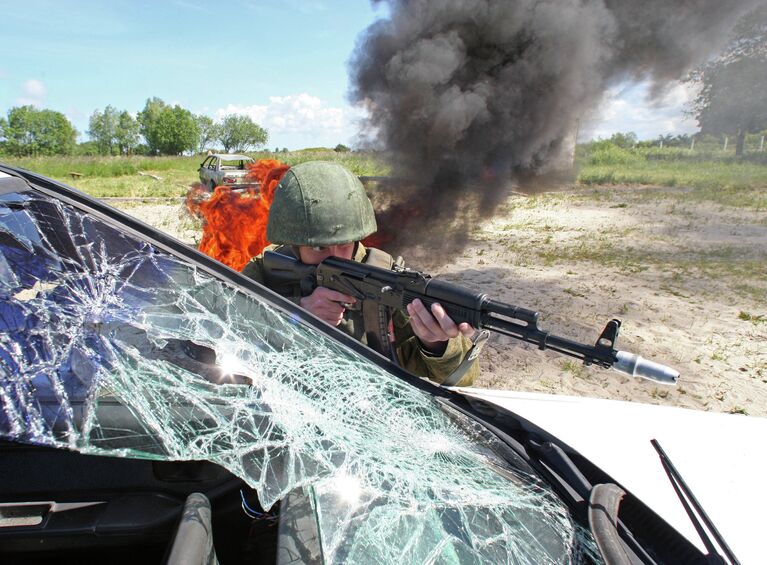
[
  {"x": 692, "y": 144},
  {"x": 726, "y": 139},
  {"x": 661, "y": 144},
  {"x": 761, "y": 144}
]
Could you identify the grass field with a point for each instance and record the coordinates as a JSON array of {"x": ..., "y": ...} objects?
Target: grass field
[
  {"x": 713, "y": 176},
  {"x": 121, "y": 176}
]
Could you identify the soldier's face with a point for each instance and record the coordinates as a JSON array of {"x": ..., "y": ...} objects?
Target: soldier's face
[{"x": 315, "y": 255}]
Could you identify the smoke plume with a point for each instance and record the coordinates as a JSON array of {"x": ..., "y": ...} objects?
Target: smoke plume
[{"x": 465, "y": 95}]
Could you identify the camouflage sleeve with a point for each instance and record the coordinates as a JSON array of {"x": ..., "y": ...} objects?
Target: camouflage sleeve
[
  {"x": 255, "y": 270},
  {"x": 424, "y": 364},
  {"x": 411, "y": 355}
]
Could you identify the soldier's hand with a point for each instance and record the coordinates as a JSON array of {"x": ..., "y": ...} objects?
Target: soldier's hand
[
  {"x": 327, "y": 305},
  {"x": 433, "y": 328}
]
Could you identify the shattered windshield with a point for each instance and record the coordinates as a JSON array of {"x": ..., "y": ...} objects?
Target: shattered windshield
[{"x": 111, "y": 345}]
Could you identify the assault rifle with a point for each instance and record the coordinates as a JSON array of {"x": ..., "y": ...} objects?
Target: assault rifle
[{"x": 399, "y": 287}]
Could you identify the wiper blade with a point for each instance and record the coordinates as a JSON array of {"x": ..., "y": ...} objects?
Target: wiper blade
[{"x": 695, "y": 511}]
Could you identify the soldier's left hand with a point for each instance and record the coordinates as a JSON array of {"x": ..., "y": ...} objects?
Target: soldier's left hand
[{"x": 434, "y": 327}]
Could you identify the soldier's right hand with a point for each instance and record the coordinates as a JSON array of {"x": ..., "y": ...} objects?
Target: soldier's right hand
[{"x": 327, "y": 305}]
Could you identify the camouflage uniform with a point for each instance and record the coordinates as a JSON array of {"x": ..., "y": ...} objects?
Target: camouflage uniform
[
  {"x": 322, "y": 204},
  {"x": 410, "y": 354}
]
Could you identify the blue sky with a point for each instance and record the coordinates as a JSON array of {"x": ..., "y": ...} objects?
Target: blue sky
[{"x": 284, "y": 63}]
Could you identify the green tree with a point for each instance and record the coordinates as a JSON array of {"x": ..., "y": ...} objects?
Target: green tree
[
  {"x": 87, "y": 149},
  {"x": 127, "y": 133},
  {"x": 168, "y": 130},
  {"x": 341, "y": 148},
  {"x": 732, "y": 97},
  {"x": 102, "y": 129},
  {"x": 624, "y": 140},
  {"x": 29, "y": 131},
  {"x": 209, "y": 131},
  {"x": 239, "y": 133},
  {"x": 148, "y": 120},
  {"x": 3, "y": 126}
]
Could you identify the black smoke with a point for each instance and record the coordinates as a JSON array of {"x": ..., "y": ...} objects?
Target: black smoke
[{"x": 465, "y": 95}]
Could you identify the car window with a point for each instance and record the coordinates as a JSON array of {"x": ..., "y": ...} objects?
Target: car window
[
  {"x": 234, "y": 164},
  {"x": 206, "y": 162},
  {"x": 111, "y": 344}
]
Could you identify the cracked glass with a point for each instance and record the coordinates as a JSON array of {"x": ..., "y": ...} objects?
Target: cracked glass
[{"x": 110, "y": 345}]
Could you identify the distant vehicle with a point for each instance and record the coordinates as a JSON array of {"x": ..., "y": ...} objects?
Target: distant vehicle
[{"x": 227, "y": 170}]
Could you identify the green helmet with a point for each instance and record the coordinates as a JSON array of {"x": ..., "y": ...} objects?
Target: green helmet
[{"x": 319, "y": 203}]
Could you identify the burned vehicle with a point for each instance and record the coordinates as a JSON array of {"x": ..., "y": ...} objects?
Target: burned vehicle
[
  {"x": 139, "y": 375},
  {"x": 223, "y": 169}
]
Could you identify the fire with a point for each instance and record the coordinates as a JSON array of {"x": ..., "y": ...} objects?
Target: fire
[{"x": 234, "y": 221}]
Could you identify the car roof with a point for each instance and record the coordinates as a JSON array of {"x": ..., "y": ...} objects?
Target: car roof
[{"x": 228, "y": 157}]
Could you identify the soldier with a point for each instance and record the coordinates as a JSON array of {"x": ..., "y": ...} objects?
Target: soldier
[{"x": 320, "y": 209}]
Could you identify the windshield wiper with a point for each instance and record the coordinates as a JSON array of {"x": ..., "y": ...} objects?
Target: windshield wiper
[{"x": 694, "y": 510}]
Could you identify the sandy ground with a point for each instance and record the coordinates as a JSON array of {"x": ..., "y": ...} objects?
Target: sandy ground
[{"x": 686, "y": 278}]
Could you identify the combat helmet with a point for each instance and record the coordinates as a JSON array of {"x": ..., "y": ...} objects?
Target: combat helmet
[{"x": 319, "y": 203}]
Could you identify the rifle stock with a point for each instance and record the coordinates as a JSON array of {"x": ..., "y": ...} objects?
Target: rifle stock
[{"x": 398, "y": 288}]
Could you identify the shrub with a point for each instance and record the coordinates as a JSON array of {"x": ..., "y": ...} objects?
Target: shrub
[{"x": 606, "y": 153}]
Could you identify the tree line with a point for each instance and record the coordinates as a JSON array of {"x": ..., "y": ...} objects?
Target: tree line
[
  {"x": 700, "y": 140},
  {"x": 158, "y": 129},
  {"x": 731, "y": 101}
]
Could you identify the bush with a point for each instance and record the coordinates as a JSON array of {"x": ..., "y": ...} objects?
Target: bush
[
  {"x": 607, "y": 153},
  {"x": 656, "y": 153},
  {"x": 87, "y": 149},
  {"x": 624, "y": 140},
  {"x": 314, "y": 150}
]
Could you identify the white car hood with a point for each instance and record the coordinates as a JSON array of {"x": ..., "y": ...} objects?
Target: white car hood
[{"x": 721, "y": 457}]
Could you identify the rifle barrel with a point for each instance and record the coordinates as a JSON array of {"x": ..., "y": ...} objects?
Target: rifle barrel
[{"x": 589, "y": 354}]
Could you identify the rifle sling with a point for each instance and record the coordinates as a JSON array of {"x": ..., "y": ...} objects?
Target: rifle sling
[{"x": 478, "y": 342}]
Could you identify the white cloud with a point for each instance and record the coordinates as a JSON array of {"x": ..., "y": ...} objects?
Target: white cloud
[
  {"x": 299, "y": 119},
  {"x": 255, "y": 113},
  {"x": 33, "y": 92},
  {"x": 630, "y": 109}
]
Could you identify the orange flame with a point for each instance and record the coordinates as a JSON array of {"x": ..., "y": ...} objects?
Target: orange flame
[{"x": 234, "y": 222}]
